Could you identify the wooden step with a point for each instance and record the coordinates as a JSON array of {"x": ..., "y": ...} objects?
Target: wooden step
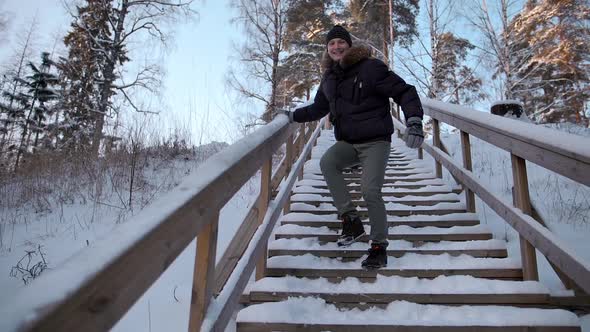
[
  {"x": 396, "y": 248},
  {"x": 314, "y": 314},
  {"x": 440, "y": 290},
  {"x": 331, "y": 221},
  {"x": 409, "y": 265},
  {"x": 355, "y": 193},
  {"x": 391, "y": 208},
  {"x": 316, "y": 200}
]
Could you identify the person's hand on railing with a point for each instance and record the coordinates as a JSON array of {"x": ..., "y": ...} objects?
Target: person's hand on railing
[
  {"x": 288, "y": 113},
  {"x": 414, "y": 135}
]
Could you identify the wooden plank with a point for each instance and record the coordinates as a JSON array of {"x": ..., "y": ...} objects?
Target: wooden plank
[
  {"x": 399, "y": 194},
  {"x": 407, "y": 237},
  {"x": 203, "y": 275},
  {"x": 228, "y": 303},
  {"x": 504, "y": 274},
  {"x": 372, "y": 298},
  {"x": 523, "y": 202},
  {"x": 284, "y": 327},
  {"x": 479, "y": 253},
  {"x": 466, "y": 152},
  {"x": 265, "y": 192},
  {"x": 353, "y": 184},
  {"x": 437, "y": 143},
  {"x": 364, "y": 203},
  {"x": 336, "y": 224},
  {"x": 529, "y": 142},
  {"x": 236, "y": 247},
  {"x": 399, "y": 213},
  {"x": 543, "y": 240},
  {"x": 290, "y": 156}
]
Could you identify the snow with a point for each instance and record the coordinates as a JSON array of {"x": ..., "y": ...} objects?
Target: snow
[
  {"x": 410, "y": 261},
  {"x": 477, "y": 229},
  {"x": 316, "y": 311},
  {"x": 312, "y": 243},
  {"x": 400, "y": 285},
  {"x": 164, "y": 307}
]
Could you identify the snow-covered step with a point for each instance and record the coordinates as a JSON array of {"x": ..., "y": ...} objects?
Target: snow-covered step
[
  {"x": 396, "y": 248},
  {"x": 386, "y": 289},
  {"x": 388, "y": 178},
  {"x": 429, "y": 233},
  {"x": 316, "y": 199},
  {"x": 314, "y": 314},
  {"x": 395, "y": 209},
  {"x": 409, "y": 265},
  {"x": 332, "y": 221},
  {"x": 399, "y": 191},
  {"x": 320, "y": 183}
]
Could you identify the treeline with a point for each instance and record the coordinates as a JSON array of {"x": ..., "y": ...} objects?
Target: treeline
[
  {"x": 536, "y": 52},
  {"x": 65, "y": 102}
]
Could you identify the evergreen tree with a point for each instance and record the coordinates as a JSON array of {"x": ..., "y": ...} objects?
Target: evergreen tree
[
  {"x": 372, "y": 20},
  {"x": 32, "y": 113},
  {"x": 83, "y": 71},
  {"x": 307, "y": 23},
  {"x": 453, "y": 79},
  {"x": 555, "y": 82}
]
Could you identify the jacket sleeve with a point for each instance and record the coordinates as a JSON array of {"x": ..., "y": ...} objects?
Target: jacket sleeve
[
  {"x": 391, "y": 85},
  {"x": 315, "y": 111}
]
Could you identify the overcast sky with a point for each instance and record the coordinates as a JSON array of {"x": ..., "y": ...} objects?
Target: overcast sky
[{"x": 195, "y": 63}]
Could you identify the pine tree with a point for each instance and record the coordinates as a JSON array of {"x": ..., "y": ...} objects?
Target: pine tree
[
  {"x": 555, "y": 81},
  {"x": 371, "y": 21},
  {"x": 453, "y": 79},
  {"x": 307, "y": 23},
  {"x": 83, "y": 70},
  {"x": 40, "y": 90}
]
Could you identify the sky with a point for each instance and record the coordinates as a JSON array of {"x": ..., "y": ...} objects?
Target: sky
[{"x": 194, "y": 93}]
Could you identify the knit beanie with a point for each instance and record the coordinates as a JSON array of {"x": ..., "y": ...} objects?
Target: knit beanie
[{"x": 339, "y": 32}]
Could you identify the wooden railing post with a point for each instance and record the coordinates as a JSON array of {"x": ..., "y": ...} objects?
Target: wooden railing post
[
  {"x": 203, "y": 274},
  {"x": 420, "y": 153},
  {"x": 289, "y": 159},
  {"x": 300, "y": 148},
  {"x": 436, "y": 143},
  {"x": 466, "y": 148},
  {"x": 265, "y": 192},
  {"x": 397, "y": 111},
  {"x": 523, "y": 202}
]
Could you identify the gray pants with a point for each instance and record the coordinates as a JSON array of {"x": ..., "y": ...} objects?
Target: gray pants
[{"x": 373, "y": 158}]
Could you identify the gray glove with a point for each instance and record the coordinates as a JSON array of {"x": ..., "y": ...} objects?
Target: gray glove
[
  {"x": 289, "y": 114},
  {"x": 414, "y": 136}
]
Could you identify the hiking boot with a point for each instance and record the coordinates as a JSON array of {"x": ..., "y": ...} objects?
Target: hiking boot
[
  {"x": 352, "y": 229},
  {"x": 377, "y": 257}
]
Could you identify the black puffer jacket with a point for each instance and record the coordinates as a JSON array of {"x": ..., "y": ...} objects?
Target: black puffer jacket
[{"x": 356, "y": 92}]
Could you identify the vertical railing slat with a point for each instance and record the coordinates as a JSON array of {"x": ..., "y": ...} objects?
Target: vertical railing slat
[
  {"x": 204, "y": 274},
  {"x": 436, "y": 142},
  {"x": 523, "y": 202},
  {"x": 289, "y": 159},
  {"x": 466, "y": 149},
  {"x": 265, "y": 192}
]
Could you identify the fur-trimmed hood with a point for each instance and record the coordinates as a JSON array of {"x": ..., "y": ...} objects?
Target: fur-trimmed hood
[{"x": 351, "y": 56}]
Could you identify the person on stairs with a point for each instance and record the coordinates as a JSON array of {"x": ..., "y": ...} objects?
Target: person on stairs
[{"x": 355, "y": 91}]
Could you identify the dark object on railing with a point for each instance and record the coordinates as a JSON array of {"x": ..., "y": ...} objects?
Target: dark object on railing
[{"x": 507, "y": 108}]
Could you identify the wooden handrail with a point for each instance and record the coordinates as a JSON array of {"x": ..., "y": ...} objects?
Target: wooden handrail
[
  {"x": 557, "y": 151},
  {"x": 224, "y": 305},
  {"x": 108, "y": 277},
  {"x": 555, "y": 250}
]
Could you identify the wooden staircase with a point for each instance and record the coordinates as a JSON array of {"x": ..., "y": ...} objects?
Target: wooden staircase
[{"x": 445, "y": 270}]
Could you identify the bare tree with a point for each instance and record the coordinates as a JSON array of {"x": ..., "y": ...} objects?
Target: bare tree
[{"x": 264, "y": 23}]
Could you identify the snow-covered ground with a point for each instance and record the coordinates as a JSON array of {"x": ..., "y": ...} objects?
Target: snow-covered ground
[{"x": 164, "y": 307}]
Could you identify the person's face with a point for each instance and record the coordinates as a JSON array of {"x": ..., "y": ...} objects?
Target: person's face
[{"x": 336, "y": 48}]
